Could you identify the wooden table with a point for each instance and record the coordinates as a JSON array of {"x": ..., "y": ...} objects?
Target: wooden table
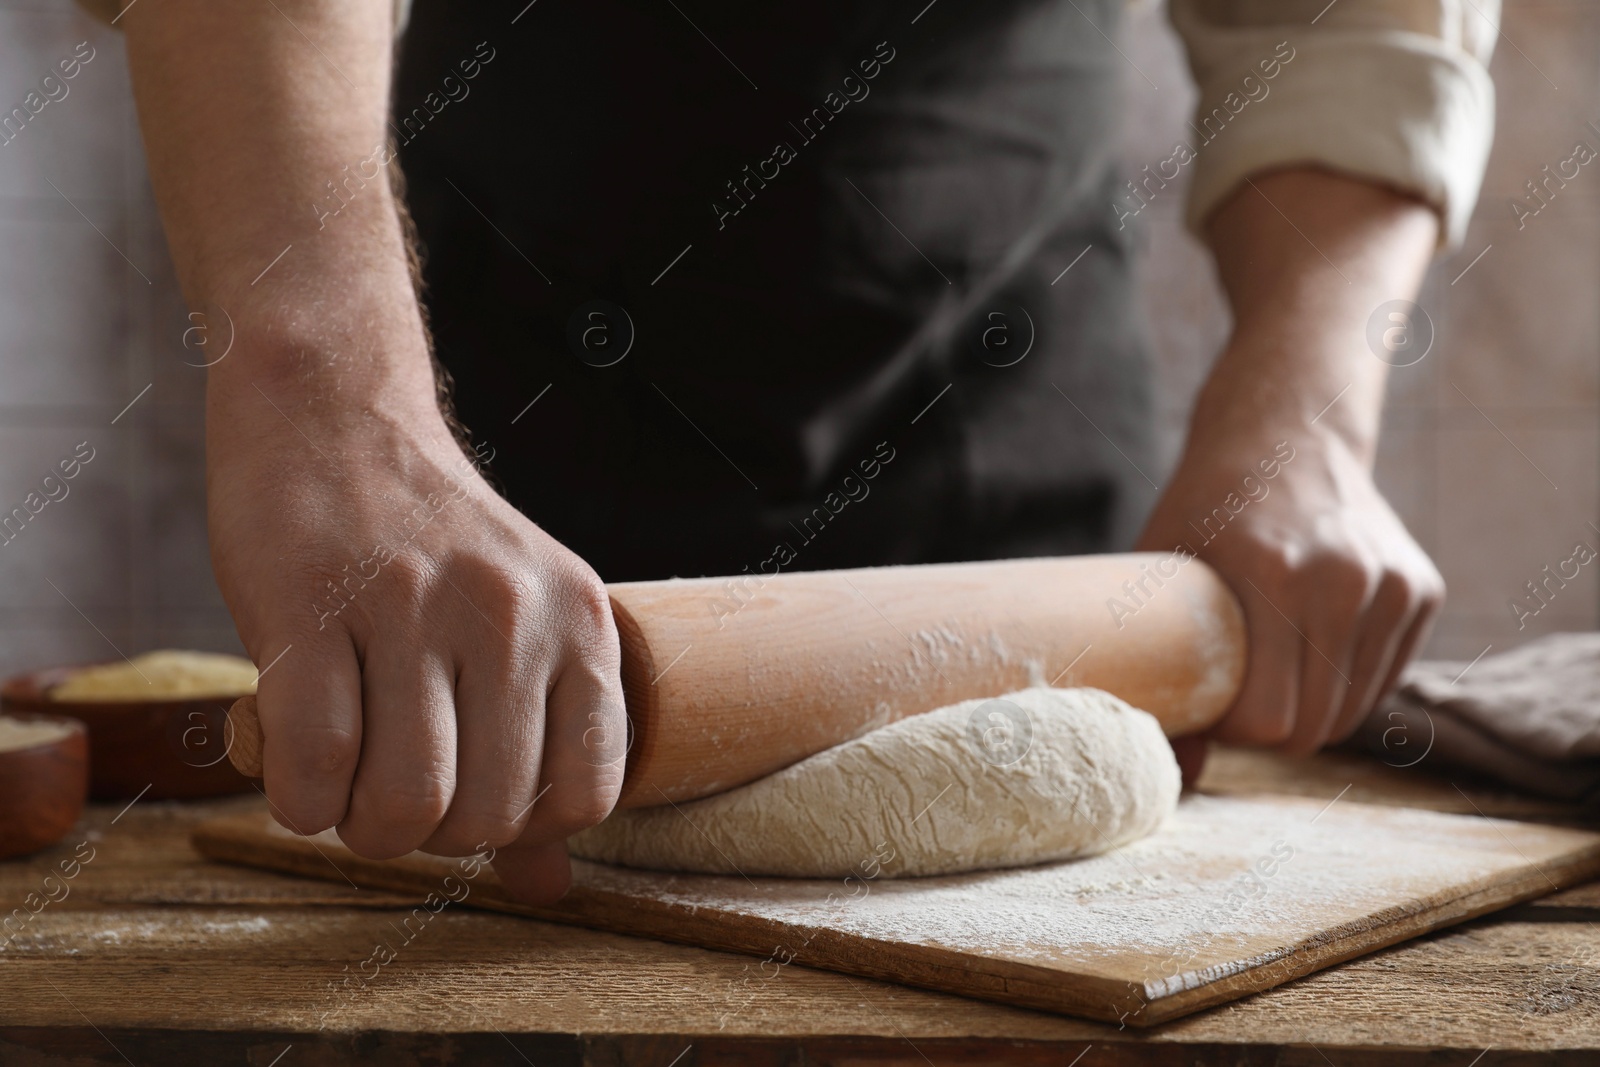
[{"x": 151, "y": 956}]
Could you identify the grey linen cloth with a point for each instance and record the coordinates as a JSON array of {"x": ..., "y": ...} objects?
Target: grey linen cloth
[{"x": 1529, "y": 717}]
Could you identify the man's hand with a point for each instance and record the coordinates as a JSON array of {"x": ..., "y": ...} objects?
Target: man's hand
[
  {"x": 438, "y": 673},
  {"x": 443, "y": 675},
  {"x": 1337, "y": 595}
]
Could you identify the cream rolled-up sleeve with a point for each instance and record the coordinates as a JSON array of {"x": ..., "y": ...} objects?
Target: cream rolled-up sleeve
[{"x": 1394, "y": 91}]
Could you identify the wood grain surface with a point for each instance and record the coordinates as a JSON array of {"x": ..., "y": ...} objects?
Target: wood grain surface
[
  {"x": 158, "y": 957},
  {"x": 1234, "y": 895}
]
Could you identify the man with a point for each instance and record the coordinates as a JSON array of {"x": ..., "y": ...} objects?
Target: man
[{"x": 692, "y": 266}]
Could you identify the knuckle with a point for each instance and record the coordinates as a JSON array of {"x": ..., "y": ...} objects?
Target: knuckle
[
  {"x": 1344, "y": 578},
  {"x": 301, "y": 810},
  {"x": 603, "y": 732},
  {"x": 1276, "y": 563},
  {"x": 324, "y": 750},
  {"x": 1433, "y": 586},
  {"x": 583, "y": 809},
  {"x": 572, "y": 818},
  {"x": 1412, "y": 589},
  {"x": 1398, "y": 593},
  {"x": 495, "y": 826},
  {"x": 500, "y": 593},
  {"x": 587, "y": 597},
  {"x": 408, "y": 573},
  {"x": 419, "y": 800}
]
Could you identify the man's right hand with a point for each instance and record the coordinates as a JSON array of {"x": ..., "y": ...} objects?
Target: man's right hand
[
  {"x": 442, "y": 675},
  {"x": 437, "y": 672}
]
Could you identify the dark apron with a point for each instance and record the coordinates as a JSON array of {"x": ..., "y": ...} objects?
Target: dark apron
[{"x": 869, "y": 352}]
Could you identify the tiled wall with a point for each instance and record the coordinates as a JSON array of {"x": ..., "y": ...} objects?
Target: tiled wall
[{"x": 90, "y": 316}]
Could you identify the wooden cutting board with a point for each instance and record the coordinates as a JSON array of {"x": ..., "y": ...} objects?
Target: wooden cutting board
[{"x": 1234, "y": 895}]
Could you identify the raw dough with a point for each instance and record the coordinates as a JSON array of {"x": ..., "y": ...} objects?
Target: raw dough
[
  {"x": 164, "y": 675},
  {"x": 1041, "y": 774}
]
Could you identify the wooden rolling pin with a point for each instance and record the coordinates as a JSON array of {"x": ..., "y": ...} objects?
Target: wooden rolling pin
[{"x": 730, "y": 679}]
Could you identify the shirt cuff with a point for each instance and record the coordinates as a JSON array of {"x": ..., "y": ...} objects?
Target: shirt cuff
[{"x": 1403, "y": 109}]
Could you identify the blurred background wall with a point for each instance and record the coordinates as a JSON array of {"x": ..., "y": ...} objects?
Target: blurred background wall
[
  {"x": 1491, "y": 448},
  {"x": 90, "y": 315}
]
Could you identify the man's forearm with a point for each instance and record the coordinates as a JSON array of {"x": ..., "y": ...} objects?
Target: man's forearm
[
  {"x": 254, "y": 115},
  {"x": 1305, "y": 256},
  {"x": 1336, "y": 593}
]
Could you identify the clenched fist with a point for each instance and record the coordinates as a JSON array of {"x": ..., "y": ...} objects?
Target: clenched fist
[{"x": 439, "y": 673}]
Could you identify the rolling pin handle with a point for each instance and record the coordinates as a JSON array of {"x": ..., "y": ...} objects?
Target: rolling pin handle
[{"x": 242, "y": 735}]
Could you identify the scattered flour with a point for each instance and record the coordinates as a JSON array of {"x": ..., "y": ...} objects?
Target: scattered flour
[{"x": 1227, "y": 883}]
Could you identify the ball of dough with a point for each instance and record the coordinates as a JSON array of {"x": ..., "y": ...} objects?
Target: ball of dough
[{"x": 1041, "y": 774}]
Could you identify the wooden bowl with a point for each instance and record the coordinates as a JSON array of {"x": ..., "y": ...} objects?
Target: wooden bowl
[
  {"x": 42, "y": 785},
  {"x": 175, "y": 747}
]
